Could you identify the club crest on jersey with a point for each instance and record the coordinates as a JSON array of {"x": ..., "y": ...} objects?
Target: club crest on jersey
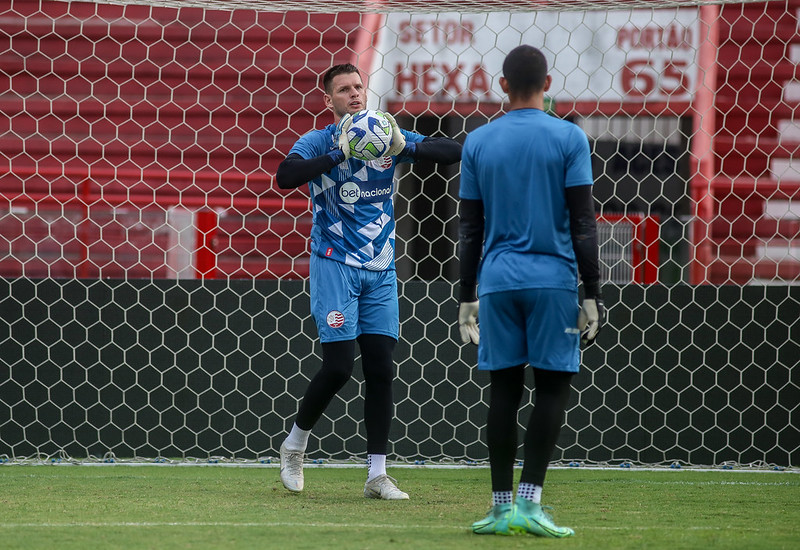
[
  {"x": 335, "y": 319},
  {"x": 383, "y": 163}
]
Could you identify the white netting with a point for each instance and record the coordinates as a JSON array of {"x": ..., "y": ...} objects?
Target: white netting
[
  {"x": 154, "y": 300},
  {"x": 420, "y": 6}
]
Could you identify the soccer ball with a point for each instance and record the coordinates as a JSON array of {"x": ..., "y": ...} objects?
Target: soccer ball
[{"x": 370, "y": 135}]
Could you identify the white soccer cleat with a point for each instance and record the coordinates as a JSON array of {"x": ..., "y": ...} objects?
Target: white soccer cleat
[
  {"x": 292, "y": 469},
  {"x": 383, "y": 487}
]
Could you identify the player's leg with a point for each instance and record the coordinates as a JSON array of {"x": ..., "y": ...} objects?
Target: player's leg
[
  {"x": 502, "y": 352},
  {"x": 550, "y": 402},
  {"x": 336, "y": 370},
  {"x": 553, "y": 346},
  {"x": 334, "y": 306},
  {"x": 376, "y": 358},
  {"x": 505, "y": 393},
  {"x": 551, "y": 396},
  {"x": 506, "y": 389},
  {"x": 379, "y": 328}
]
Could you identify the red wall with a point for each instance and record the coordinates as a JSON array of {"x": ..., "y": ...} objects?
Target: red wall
[{"x": 102, "y": 105}]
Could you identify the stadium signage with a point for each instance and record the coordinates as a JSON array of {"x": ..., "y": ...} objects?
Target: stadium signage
[{"x": 596, "y": 56}]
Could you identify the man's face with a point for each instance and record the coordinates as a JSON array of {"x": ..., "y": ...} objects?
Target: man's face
[{"x": 348, "y": 95}]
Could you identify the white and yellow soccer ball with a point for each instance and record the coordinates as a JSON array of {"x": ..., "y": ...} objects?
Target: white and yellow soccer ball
[{"x": 370, "y": 135}]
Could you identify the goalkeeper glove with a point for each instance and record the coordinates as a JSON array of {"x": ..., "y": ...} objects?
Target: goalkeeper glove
[
  {"x": 341, "y": 130},
  {"x": 398, "y": 140},
  {"x": 468, "y": 322},
  {"x": 591, "y": 319}
]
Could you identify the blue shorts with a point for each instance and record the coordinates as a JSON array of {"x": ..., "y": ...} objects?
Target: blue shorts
[
  {"x": 347, "y": 301},
  {"x": 537, "y": 326}
]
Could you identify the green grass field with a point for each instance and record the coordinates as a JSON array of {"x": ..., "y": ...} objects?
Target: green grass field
[{"x": 117, "y": 506}]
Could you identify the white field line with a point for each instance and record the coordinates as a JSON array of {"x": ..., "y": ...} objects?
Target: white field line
[
  {"x": 433, "y": 466},
  {"x": 305, "y": 525},
  {"x": 637, "y": 481}
]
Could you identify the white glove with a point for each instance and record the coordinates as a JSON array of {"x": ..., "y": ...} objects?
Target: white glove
[
  {"x": 342, "y": 128},
  {"x": 398, "y": 140},
  {"x": 468, "y": 322},
  {"x": 591, "y": 319}
]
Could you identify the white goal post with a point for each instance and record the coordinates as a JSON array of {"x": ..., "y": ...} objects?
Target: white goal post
[{"x": 154, "y": 302}]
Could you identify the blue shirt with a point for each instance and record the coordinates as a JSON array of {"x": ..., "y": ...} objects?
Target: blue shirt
[
  {"x": 520, "y": 166},
  {"x": 353, "y": 205}
]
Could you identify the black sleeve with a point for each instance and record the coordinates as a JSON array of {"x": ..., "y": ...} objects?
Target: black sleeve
[
  {"x": 443, "y": 150},
  {"x": 583, "y": 226},
  {"x": 294, "y": 171},
  {"x": 470, "y": 247}
]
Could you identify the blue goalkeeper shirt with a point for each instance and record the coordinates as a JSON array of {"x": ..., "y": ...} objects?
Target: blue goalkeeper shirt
[
  {"x": 353, "y": 204},
  {"x": 519, "y": 166}
]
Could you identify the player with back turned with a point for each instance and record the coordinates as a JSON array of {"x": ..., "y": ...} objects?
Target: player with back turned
[
  {"x": 527, "y": 221},
  {"x": 353, "y": 283}
]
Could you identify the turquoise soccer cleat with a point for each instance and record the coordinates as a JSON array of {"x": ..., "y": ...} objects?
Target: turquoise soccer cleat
[
  {"x": 496, "y": 523},
  {"x": 529, "y": 517}
]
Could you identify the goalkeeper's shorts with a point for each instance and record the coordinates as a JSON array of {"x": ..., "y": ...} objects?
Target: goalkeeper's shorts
[
  {"x": 537, "y": 326},
  {"x": 347, "y": 302}
]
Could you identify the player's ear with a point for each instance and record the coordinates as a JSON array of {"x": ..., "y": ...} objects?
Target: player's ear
[
  {"x": 548, "y": 80},
  {"x": 328, "y": 101},
  {"x": 504, "y": 84}
]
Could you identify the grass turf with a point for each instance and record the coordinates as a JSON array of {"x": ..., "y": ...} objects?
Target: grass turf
[{"x": 193, "y": 507}]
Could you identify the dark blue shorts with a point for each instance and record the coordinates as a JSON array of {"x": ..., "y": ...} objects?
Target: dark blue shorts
[{"x": 537, "y": 326}]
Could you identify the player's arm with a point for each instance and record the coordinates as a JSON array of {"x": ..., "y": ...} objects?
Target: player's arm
[
  {"x": 294, "y": 171},
  {"x": 583, "y": 227},
  {"x": 442, "y": 150},
  {"x": 470, "y": 249}
]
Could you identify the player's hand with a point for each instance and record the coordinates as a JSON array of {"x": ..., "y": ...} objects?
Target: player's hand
[
  {"x": 398, "y": 140},
  {"x": 341, "y": 129},
  {"x": 468, "y": 322},
  {"x": 591, "y": 319}
]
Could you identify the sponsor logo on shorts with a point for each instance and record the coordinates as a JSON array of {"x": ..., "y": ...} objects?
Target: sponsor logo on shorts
[
  {"x": 329, "y": 251},
  {"x": 335, "y": 319}
]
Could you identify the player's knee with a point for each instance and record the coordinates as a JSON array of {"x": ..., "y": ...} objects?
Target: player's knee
[
  {"x": 376, "y": 359},
  {"x": 337, "y": 362},
  {"x": 338, "y": 378}
]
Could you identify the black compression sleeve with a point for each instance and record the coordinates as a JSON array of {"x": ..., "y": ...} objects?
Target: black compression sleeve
[
  {"x": 294, "y": 171},
  {"x": 470, "y": 247},
  {"x": 437, "y": 149},
  {"x": 583, "y": 226}
]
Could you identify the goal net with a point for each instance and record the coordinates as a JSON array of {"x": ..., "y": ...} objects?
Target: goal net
[{"x": 154, "y": 299}]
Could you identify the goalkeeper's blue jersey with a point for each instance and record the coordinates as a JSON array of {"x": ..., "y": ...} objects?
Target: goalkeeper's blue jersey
[
  {"x": 353, "y": 204},
  {"x": 520, "y": 166}
]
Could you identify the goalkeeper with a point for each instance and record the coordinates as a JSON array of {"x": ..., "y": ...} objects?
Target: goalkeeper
[
  {"x": 353, "y": 284},
  {"x": 527, "y": 219}
]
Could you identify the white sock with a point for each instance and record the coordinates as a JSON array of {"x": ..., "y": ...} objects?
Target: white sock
[
  {"x": 530, "y": 492},
  {"x": 376, "y": 465},
  {"x": 501, "y": 497},
  {"x": 297, "y": 440}
]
